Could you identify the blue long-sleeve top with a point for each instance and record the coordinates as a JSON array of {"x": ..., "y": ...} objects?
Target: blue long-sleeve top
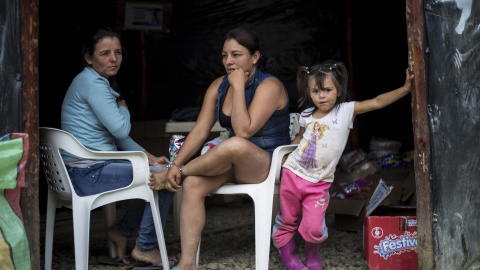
[{"x": 90, "y": 113}]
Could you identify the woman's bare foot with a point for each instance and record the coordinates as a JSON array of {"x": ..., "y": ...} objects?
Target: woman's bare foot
[
  {"x": 186, "y": 267},
  {"x": 151, "y": 256},
  {"x": 157, "y": 180},
  {"x": 120, "y": 241}
]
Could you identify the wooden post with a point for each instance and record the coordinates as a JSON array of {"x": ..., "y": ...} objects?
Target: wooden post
[
  {"x": 144, "y": 83},
  {"x": 354, "y": 137},
  {"x": 29, "y": 26},
  {"x": 421, "y": 130}
]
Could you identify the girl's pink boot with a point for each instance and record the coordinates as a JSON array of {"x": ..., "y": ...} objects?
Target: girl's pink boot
[
  {"x": 290, "y": 259},
  {"x": 312, "y": 257}
]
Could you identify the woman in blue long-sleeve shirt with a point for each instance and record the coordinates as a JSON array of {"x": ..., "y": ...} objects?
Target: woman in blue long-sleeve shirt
[{"x": 96, "y": 115}]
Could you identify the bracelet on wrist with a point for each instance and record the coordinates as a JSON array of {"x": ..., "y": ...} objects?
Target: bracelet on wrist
[{"x": 173, "y": 164}]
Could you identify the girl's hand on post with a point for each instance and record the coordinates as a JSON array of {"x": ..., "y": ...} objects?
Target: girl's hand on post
[{"x": 408, "y": 80}]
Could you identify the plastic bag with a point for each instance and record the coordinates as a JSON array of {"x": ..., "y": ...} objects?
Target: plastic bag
[
  {"x": 14, "y": 249},
  {"x": 349, "y": 160},
  {"x": 380, "y": 147},
  {"x": 359, "y": 189}
]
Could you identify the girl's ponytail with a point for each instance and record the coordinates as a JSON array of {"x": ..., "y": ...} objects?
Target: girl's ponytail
[{"x": 303, "y": 75}]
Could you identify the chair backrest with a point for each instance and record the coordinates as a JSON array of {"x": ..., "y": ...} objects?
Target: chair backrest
[
  {"x": 294, "y": 125},
  {"x": 51, "y": 142}
]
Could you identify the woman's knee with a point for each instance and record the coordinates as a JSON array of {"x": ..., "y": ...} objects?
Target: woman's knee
[
  {"x": 190, "y": 183},
  {"x": 193, "y": 186},
  {"x": 234, "y": 145}
]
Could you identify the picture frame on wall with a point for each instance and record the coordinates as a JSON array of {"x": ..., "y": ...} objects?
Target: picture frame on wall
[{"x": 147, "y": 16}]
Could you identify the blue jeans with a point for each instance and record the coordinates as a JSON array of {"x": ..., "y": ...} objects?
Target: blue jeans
[{"x": 114, "y": 174}]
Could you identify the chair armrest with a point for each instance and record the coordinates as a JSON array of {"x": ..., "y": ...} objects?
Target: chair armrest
[
  {"x": 70, "y": 144},
  {"x": 277, "y": 157},
  {"x": 138, "y": 159},
  {"x": 127, "y": 155}
]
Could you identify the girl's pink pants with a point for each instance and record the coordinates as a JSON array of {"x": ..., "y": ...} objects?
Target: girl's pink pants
[{"x": 301, "y": 197}]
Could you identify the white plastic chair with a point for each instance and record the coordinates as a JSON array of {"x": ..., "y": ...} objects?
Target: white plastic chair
[
  {"x": 262, "y": 195},
  {"x": 177, "y": 200},
  {"x": 61, "y": 193}
]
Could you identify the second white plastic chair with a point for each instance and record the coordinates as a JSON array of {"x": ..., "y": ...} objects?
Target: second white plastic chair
[
  {"x": 262, "y": 195},
  {"x": 61, "y": 193}
]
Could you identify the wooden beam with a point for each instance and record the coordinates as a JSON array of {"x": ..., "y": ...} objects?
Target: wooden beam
[
  {"x": 144, "y": 77},
  {"x": 354, "y": 136},
  {"x": 421, "y": 130},
  {"x": 29, "y": 26}
]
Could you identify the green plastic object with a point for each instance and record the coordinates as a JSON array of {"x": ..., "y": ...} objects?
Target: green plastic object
[{"x": 14, "y": 249}]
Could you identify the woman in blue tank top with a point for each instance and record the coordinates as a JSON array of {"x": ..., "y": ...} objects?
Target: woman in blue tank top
[{"x": 253, "y": 106}]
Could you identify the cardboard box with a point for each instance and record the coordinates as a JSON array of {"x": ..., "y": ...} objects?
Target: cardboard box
[
  {"x": 390, "y": 242},
  {"x": 387, "y": 218},
  {"x": 349, "y": 214},
  {"x": 399, "y": 199}
]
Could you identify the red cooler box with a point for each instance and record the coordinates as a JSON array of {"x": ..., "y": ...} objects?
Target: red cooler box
[{"x": 390, "y": 242}]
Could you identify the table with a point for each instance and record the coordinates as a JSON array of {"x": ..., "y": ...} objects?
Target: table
[{"x": 185, "y": 127}]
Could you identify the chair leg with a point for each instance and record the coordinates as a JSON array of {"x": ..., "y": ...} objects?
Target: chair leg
[
  {"x": 275, "y": 207},
  {"x": 49, "y": 229},
  {"x": 110, "y": 213},
  {"x": 263, "y": 212},
  {"x": 158, "y": 228},
  {"x": 198, "y": 250},
  {"x": 81, "y": 233},
  {"x": 177, "y": 204}
]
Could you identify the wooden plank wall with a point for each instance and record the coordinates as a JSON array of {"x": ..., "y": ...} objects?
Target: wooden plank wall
[
  {"x": 416, "y": 41},
  {"x": 29, "y": 18}
]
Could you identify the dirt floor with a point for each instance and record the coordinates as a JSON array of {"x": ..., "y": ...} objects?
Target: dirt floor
[{"x": 228, "y": 242}]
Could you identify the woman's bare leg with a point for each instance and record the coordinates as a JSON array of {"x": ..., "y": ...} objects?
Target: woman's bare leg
[
  {"x": 192, "y": 215},
  {"x": 250, "y": 163}
]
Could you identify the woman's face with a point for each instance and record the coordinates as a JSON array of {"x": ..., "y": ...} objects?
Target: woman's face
[
  {"x": 107, "y": 57},
  {"x": 235, "y": 56}
]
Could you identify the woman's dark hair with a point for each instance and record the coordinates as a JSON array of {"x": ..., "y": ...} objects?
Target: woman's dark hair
[
  {"x": 334, "y": 70},
  {"x": 91, "y": 41},
  {"x": 250, "y": 40},
  {"x": 89, "y": 47}
]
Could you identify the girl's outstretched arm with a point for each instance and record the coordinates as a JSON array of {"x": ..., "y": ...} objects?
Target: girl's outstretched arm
[{"x": 384, "y": 99}]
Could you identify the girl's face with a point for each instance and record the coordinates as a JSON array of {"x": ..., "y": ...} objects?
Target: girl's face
[
  {"x": 324, "y": 99},
  {"x": 107, "y": 57},
  {"x": 235, "y": 56}
]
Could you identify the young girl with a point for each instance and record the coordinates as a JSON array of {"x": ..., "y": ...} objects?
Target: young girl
[{"x": 309, "y": 170}]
